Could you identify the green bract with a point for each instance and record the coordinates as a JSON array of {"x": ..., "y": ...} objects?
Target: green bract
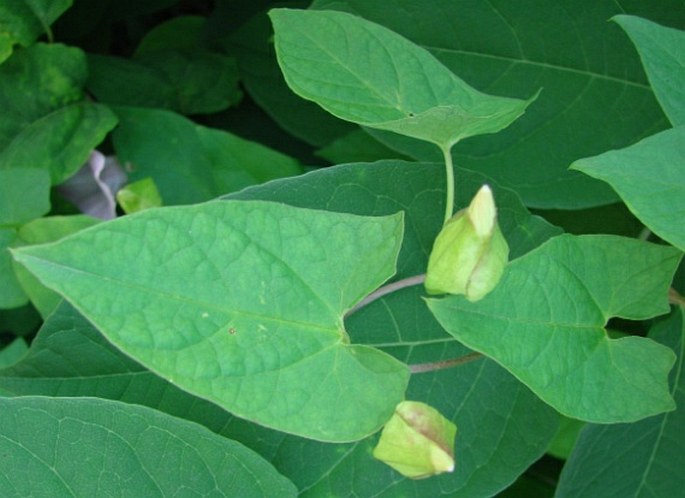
[
  {"x": 470, "y": 252},
  {"x": 417, "y": 441}
]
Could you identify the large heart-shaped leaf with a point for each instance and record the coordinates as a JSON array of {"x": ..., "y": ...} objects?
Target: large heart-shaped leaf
[
  {"x": 96, "y": 447},
  {"x": 242, "y": 303},
  {"x": 544, "y": 323},
  {"x": 365, "y": 73}
]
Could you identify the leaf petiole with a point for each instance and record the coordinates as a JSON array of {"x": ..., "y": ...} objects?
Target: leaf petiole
[
  {"x": 449, "y": 178},
  {"x": 387, "y": 289}
]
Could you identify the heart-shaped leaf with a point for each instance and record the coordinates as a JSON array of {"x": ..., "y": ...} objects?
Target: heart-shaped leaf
[
  {"x": 544, "y": 323},
  {"x": 367, "y": 74},
  {"x": 242, "y": 303},
  {"x": 96, "y": 447}
]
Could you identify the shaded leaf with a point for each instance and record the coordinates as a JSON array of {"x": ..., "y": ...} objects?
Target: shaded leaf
[
  {"x": 23, "y": 21},
  {"x": 178, "y": 33},
  {"x": 650, "y": 178},
  {"x": 191, "y": 163},
  {"x": 12, "y": 352},
  {"x": 24, "y": 195},
  {"x": 253, "y": 46},
  {"x": 354, "y": 147},
  {"x": 365, "y": 73},
  {"x": 643, "y": 459},
  {"x": 90, "y": 447},
  {"x": 555, "y": 301},
  {"x": 241, "y": 303},
  {"x": 662, "y": 51},
  {"x": 46, "y": 123},
  {"x": 186, "y": 81},
  {"x": 11, "y": 293}
]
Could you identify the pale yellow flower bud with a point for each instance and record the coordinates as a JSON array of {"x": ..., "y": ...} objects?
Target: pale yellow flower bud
[
  {"x": 417, "y": 441},
  {"x": 470, "y": 253}
]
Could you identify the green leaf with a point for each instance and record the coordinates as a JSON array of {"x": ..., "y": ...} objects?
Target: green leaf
[
  {"x": 93, "y": 447},
  {"x": 191, "y": 163},
  {"x": 45, "y": 121},
  {"x": 365, "y": 73},
  {"x": 595, "y": 96},
  {"x": 650, "y": 178},
  {"x": 642, "y": 459},
  {"x": 556, "y": 300},
  {"x": 499, "y": 419},
  {"x": 185, "y": 81},
  {"x": 23, "y": 21},
  {"x": 241, "y": 303},
  {"x": 661, "y": 50}
]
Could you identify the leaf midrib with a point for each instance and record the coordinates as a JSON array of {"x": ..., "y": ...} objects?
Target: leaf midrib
[{"x": 544, "y": 65}]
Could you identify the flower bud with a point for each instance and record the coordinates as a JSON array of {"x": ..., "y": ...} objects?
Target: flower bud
[
  {"x": 417, "y": 441},
  {"x": 470, "y": 252}
]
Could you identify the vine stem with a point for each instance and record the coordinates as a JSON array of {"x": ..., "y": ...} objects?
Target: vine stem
[
  {"x": 449, "y": 173},
  {"x": 387, "y": 289},
  {"x": 443, "y": 364}
]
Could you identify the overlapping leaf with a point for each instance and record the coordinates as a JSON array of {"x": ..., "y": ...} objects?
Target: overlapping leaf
[
  {"x": 641, "y": 459},
  {"x": 595, "y": 96},
  {"x": 70, "y": 358},
  {"x": 192, "y": 163},
  {"x": 93, "y": 447},
  {"x": 662, "y": 51},
  {"x": 544, "y": 323},
  {"x": 650, "y": 178},
  {"x": 365, "y": 73},
  {"x": 23, "y": 21},
  {"x": 241, "y": 303},
  {"x": 499, "y": 419}
]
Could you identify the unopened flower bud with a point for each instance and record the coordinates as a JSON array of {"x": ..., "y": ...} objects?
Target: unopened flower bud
[
  {"x": 470, "y": 252},
  {"x": 417, "y": 441}
]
